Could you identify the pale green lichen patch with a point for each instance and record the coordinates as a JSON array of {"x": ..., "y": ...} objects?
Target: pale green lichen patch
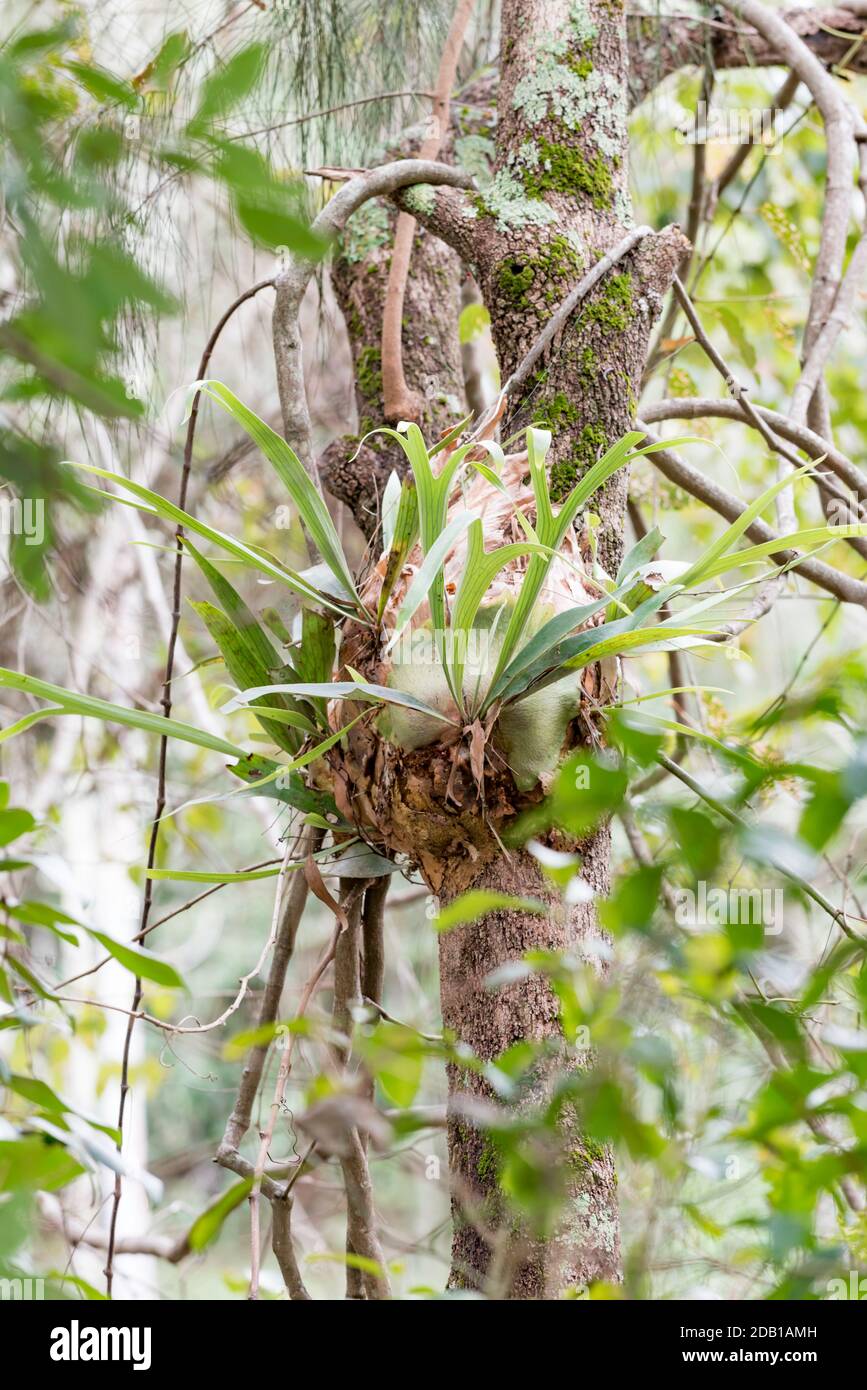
[
  {"x": 367, "y": 230},
  {"x": 420, "y": 198},
  {"x": 566, "y": 87},
  {"x": 577, "y": 244},
  {"x": 506, "y": 202},
  {"x": 582, "y": 25},
  {"x": 622, "y": 209},
  {"x": 590, "y": 1223}
]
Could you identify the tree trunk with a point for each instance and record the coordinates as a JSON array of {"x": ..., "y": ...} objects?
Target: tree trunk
[
  {"x": 585, "y": 1247},
  {"x": 557, "y": 202}
]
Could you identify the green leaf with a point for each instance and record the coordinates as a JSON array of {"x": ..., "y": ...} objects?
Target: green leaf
[
  {"x": 825, "y": 811},
  {"x": 274, "y": 228},
  {"x": 552, "y": 529},
  {"x": 254, "y": 556},
  {"x": 811, "y": 538},
  {"x": 207, "y": 1227},
  {"x": 91, "y": 707},
  {"x": 102, "y": 85},
  {"x": 405, "y": 532},
  {"x": 658, "y": 637},
  {"x": 640, "y": 554},
  {"x": 284, "y": 786},
  {"x": 428, "y": 576},
  {"x": 587, "y": 789},
  {"x": 40, "y": 1094},
  {"x": 542, "y": 645},
  {"x": 88, "y": 1292},
  {"x": 738, "y": 335},
  {"x": 394, "y": 1056},
  {"x": 281, "y": 716},
  {"x": 37, "y": 1092},
  {"x": 28, "y": 720},
  {"x": 352, "y": 690},
  {"x": 35, "y": 1163},
  {"x": 267, "y": 204},
  {"x": 41, "y": 915},
  {"x": 699, "y": 839},
  {"x": 703, "y": 567},
  {"x": 13, "y": 824},
  {"x": 479, "y": 572},
  {"x": 138, "y": 961},
  {"x": 256, "y": 641},
  {"x": 27, "y": 976},
  {"x": 293, "y": 475},
  {"x": 633, "y": 902},
  {"x": 389, "y": 509},
  {"x": 551, "y": 664},
  {"x": 433, "y": 493},
  {"x": 228, "y": 85},
  {"x": 315, "y": 655},
  {"x": 172, "y": 53},
  {"x": 204, "y": 876},
  {"x": 244, "y": 665}
]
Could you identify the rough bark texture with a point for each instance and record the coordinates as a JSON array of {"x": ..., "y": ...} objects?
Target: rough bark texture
[
  {"x": 586, "y": 1246},
  {"x": 431, "y": 355}
]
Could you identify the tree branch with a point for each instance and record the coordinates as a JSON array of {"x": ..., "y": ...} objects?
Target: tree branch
[
  {"x": 399, "y": 403},
  {"x": 660, "y": 44},
  {"x": 842, "y": 586},
  {"x": 292, "y": 282},
  {"x": 697, "y": 408}
]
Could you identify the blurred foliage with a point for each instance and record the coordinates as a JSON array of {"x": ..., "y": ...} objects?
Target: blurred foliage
[{"x": 76, "y": 140}]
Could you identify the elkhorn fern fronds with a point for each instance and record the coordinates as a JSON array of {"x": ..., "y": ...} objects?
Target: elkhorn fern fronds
[{"x": 428, "y": 705}]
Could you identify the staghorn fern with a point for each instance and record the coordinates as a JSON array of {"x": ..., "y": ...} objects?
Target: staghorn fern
[{"x": 475, "y": 550}]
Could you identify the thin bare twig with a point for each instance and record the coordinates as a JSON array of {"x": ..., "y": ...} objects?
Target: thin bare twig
[
  {"x": 314, "y": 880},
  {"x": 166, "y": 703},
  {"x": 555, "y": 325},
  {"x": 399, "y": 403}
]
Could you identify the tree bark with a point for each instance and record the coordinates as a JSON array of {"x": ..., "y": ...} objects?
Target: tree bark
[
  {"x": 585, "y": 1247},
  {"x": 431, "y": 357}
]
